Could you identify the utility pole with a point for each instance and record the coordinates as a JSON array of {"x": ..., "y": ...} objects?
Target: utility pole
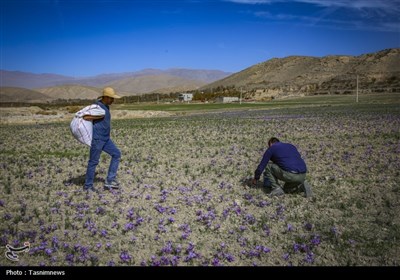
[
  {"x": 357, "y": 91},
  {"x": 240, "y": 100}
]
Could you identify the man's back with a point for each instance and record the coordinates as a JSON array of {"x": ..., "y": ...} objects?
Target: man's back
[{"x": 287, "y": 157}]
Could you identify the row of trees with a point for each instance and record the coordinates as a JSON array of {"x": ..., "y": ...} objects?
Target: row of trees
[
  {"x": 213, "y": 93},
  {"x": 204, "y": 95}
]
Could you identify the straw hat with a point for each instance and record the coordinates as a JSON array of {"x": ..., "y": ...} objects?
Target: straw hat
[{"x": 108, "y": 91}]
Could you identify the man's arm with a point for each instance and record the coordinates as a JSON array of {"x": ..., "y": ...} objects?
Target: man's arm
[
  {"x": 92, "y": 118},
  {"x": 262, "y": 165}
]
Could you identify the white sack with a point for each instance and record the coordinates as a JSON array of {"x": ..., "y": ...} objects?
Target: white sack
[{"x": 81, "y": 129}]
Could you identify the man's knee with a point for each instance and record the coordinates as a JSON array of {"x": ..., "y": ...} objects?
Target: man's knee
[
  {"x": 116, "y": 154},
  {"x": 93, "y": 162}
]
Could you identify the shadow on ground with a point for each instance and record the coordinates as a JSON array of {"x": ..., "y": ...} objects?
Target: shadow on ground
[{"x": 80, "y": 180}]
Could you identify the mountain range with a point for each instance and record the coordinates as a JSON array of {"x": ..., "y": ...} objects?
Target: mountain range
[
  {"x": 277, "y": 77},
  {"x": 17, "y": 85}
]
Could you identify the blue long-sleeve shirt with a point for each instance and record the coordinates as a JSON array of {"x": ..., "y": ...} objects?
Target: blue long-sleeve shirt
[
  {"x": 102, "y": 127},
  {"x": 285, "y": 155}
]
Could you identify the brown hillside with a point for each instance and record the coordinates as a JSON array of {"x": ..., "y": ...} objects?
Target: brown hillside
[
  {"x": 16, "y": 94},
  {"x": 71, "y": 92},
  {"x": 301, "y": 75}
]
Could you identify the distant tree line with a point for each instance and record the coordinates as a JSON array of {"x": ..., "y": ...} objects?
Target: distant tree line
[
  {"x": 149, "y": 97},
  {"x": 213, "y": 93},
  {"x": 203, "y": 95}
]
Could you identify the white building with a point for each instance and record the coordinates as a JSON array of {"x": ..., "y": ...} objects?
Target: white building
[
  {"x": 185, "y": 96},
  {"x": 225, "y": 99}
]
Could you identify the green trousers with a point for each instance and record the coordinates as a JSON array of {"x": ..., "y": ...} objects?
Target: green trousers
[{"x": 273, "y": 173}]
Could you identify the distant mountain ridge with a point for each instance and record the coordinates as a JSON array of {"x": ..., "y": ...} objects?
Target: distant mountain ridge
[
  {"x": 305, "y": 75},
  {"x": 15, "y": 85},
  {"x": 33, "y": 81}
]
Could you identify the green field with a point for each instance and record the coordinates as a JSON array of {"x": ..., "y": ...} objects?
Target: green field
[{"x": 389, "y": 98}]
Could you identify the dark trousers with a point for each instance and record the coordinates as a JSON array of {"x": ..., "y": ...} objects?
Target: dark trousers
[{"x": 273, "y": 173}]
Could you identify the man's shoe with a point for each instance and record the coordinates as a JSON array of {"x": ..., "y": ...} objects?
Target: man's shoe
[
  {"x": 276, "y": 192},
  {"x": 306, "y": 188},
  {"x": 112, "y": 185},
  {"x": 90, "y": 189}
]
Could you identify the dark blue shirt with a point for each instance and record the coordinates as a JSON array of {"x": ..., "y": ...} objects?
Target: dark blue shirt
[
  {"x": 285, "y": 155},
  {"x": 102, "y": 127}
]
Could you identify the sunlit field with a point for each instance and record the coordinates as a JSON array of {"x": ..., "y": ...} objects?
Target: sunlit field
[{"x": 185, "y": 200}]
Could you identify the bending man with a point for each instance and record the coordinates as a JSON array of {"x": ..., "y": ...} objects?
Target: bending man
[{"x": 286, "y": 165}]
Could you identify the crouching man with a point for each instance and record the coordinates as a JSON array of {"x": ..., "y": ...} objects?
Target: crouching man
[{"x": 286, "y": 165}]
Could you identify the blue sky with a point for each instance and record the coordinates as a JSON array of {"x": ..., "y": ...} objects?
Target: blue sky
[{"x": 89, "y": 37}]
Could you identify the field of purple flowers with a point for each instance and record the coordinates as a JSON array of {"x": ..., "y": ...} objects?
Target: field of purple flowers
[{"x": 185, "y": 202}]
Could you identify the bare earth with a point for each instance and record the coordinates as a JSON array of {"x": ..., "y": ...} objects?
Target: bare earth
[{"x": 34, "y": 114}]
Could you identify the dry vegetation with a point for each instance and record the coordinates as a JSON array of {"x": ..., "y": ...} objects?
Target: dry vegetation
[{"x": 185, "y": 200}]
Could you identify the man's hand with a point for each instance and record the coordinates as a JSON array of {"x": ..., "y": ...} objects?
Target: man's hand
[{"x": 254, "y": 181}]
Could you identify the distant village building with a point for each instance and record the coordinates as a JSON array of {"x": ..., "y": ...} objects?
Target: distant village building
[
  {"x": 185, "y": 96},
  {"x": 225, "y": 99}
]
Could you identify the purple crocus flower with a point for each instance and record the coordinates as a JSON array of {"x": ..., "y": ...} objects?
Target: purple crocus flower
[
  {"x": 316, "y": 240},
  {"x": 69, "y": 258},
  {"x": 130, "y": 214},
  {"x": 48, "y": 251},
  {"x": 125, "y": 257},
  {"x": 262, "y": 203},
  {"x": 229, "y": 257},
  {"x": 296, "y": 247},
  {"x": 250, "y": 219},
  {"x": 167, "y": 248},
  {"x": 215, "y": 262},
  {"x": 286, "y": 256},
  {"x": 178, "y": 248},
  {"x": 309, "y": 257},
  {"x": 55, "y": 242},
  {"x": 175, "y": 260},
  {"x": 308, "y": 226},
  {"x": 129, "y": 226},
  {"x": 100, "y": 210}
]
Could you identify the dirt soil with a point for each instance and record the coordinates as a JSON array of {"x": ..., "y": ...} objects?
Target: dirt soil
[{"x": 34, "y": 114}]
